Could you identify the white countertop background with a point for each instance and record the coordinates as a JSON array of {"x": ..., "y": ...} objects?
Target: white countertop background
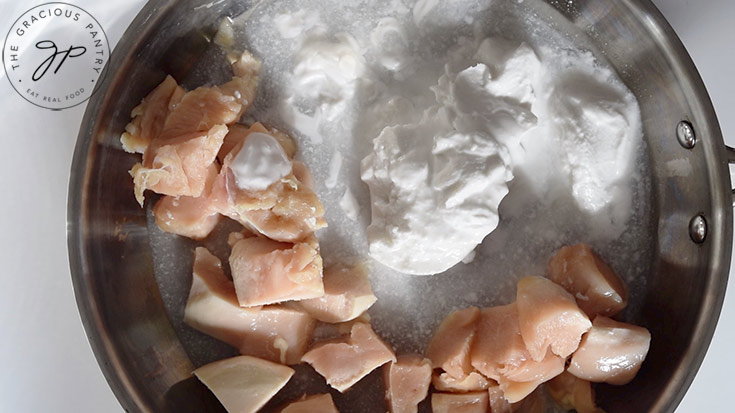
[{"x": 46, "y": 364}]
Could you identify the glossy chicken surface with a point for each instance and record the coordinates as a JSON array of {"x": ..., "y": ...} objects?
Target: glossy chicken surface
[
  {"x": 407, "y": 383},
  {"x": 343, "y": 362},
  {"x": 267, "y": 272},
  {"x": 274, "y": 333},
  {"x": 191, "y": 217},
  {"x": 612, "y": 352},
  {"x": 597, "y": 289},
  {"x": 347, "y": 294},
  {"x": 549, "y": 318},
  {"x": 449, "y": 348},
  {"x": 244, "y": 384}
]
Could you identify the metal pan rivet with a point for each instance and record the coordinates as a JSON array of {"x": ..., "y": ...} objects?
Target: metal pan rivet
[
  {"x": 698, "y": 229},
  {"x": 685, "y": 135}
]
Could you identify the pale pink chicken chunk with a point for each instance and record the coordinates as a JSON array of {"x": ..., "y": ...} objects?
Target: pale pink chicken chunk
[
  {"x": 288, "y": 210},
  {"x": 500, "y": 353},
  {"x": 274, "y": 333},
  {"x": 595, "y": 286},
  {"x": 447, "y": 383},
  {"x": 148, "y": 117},
  {"x": 407, "y": 383},
  {"x": 347, "y": 294},
  {"x": 316, "y": 403},
  {"x": 243, "y": 85},
  {"x": 176, "y": 160},
  {"x": 266, "y": 271},
  {"x": 549, "y": 318},
  {"x": 191, "y": 217},
  {"x": 611, "y": 352},
  {"x": 180, "y": 166},
  {"x": 344, "y": 362},
  {"x": 476, "y": 402},
  {"x": 449, "y": 348},
  {"x": 244, "y": 384},
  {"x": 237, "y": 134},
  {"x": 572, "y": 393}
]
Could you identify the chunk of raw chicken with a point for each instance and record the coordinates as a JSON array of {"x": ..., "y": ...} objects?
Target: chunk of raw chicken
[
  {"x": 245, "y": 68},
  {"x": 347, "y": 294},
  {"x": 205, "y": 107},
  {"x": 316, "y": 403},
  {"x": 275, "y": 333},
  {"x": 148, "y": 117},
  {"x": 243, "y": 384},
  {"x": 476, "y": 402},
  {"x": 236, "y": 136},
  {"x": 611, "y": 352},
  {"x": 407, "y": 383},
  {"x": 343, "y": 362},
  {"x": 288, "y": 210},
  {"x": 572, "y": 393},
  {"x": 192, "y": 217},
  {"x": 266, "y": 271},
  {"x": 500, "y": 353},
  {"x": 596, "y": 287},
  {"x": 176, "y": 159},
  {"x": 549, "y": 318},
  {"x": 179, "y": 166},
  {"x": 473, "y": 382},
  {"x": 449, "y": 348}
]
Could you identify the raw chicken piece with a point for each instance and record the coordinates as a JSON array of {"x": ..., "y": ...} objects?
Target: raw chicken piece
[
  {"x": 536, "y": 371},
  {"x": 176, "y": 160},
  {"x": 498, "y": 347},
  {"x": 572, "y": 393},
  {"x": 316, "y": 403},
  {"x": 593, "y": 283},
  {"x": 266, "y": 271},
  {"x": 473, "y": 382},
  {"x": 500, "y": 353},
  {"x": 525, "y": 379},
  {"x": 611, "y": 352},
  {"x": 273, "y": 332},
  {"x": 236, "y": 136},
  {"x": 302, "y": 173},
  {"x": 344, "y": 362},
  {"x": 180, "y": 166},
  {"x": 233, "y": 237},
  {"x": 243, "y": 384},
  {"x": 199, "y": 110},
  {"x": 149, "y": 116},
  {"x": 407, "y": 383},
  {"x": 549, "y": 318},
  {"x": 459, "y": 403},
  {"x": 288, "y": 210},
  {"x": 243, "y": 85},
  {"x": 188, "y": 216},
  {"x": 497, "y": 401},
  {"x": 205, "y": 107},
  {"x": 449, "y": 348},
  {"x": 347, "y": 294}
]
